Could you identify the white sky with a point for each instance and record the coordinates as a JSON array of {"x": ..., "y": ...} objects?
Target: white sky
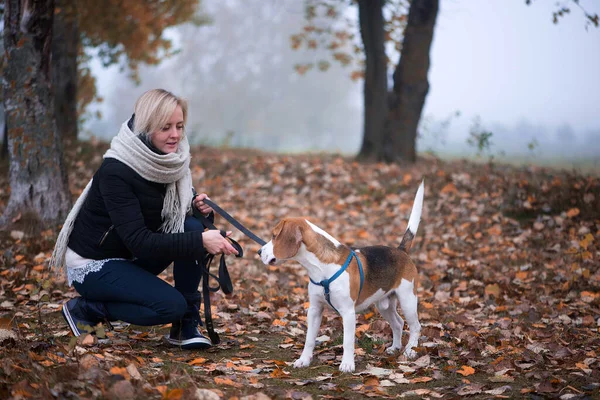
[
  {"x": 503, "y": 61},
  {"x": 506, "y": 62}
]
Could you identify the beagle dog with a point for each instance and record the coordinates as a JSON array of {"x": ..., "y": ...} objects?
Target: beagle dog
[{"x": 350, "y": 280}]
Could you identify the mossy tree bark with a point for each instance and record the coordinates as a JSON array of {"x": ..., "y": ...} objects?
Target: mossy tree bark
[{"x": 39, "y": 195}]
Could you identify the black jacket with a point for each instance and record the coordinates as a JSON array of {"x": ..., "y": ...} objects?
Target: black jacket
[{"x": 121, "y": 216}]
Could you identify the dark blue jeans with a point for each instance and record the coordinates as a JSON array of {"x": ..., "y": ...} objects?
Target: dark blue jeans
[{"x": 132, "y": 292}]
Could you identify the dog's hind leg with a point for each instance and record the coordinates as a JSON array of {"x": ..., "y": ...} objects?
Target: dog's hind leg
[
  {"x": 387, "y": 308},
  {"x": 408, "y": 302},
  {"x": 313, "y": 319}
]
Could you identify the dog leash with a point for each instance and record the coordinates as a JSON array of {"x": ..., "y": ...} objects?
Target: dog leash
[
  {"x": 326, "y": 282},
  {"x": 224, "y": 281},
  {"x": 234, "y": 222}
]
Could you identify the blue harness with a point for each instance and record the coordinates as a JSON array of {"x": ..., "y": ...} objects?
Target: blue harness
[{"x": 326, "y": 282}]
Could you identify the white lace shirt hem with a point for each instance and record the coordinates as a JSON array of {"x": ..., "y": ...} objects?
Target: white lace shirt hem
[{"x": 78, "y": 267}]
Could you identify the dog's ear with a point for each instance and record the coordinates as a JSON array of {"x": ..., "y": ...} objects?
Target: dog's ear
[
  {"x": 278, "y": 228},
  {"x": 287, "y": 237}
]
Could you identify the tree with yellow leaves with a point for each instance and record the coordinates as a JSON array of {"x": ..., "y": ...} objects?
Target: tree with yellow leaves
[
  {"x": 127, "y": 32},
  {"x": 42, "y": 64}
]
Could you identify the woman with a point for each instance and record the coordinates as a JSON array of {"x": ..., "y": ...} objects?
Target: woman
[{"x": 131, "y": 221}]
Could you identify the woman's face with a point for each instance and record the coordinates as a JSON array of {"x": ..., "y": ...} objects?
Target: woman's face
[{"x": 167, "y": 138}]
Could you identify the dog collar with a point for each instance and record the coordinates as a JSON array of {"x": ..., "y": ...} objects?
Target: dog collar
[{"x": 326, "y": 282}]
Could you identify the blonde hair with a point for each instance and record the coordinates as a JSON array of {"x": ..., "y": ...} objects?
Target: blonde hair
[{"x": 153, "y": 110}]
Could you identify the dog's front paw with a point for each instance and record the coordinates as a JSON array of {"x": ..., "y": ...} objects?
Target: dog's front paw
[
  {"x": 301, "y": 362},
  {"x": 410, "y": 353},
  {"x": 347, "y": 366},
  {"x": 392, "y": 349}
]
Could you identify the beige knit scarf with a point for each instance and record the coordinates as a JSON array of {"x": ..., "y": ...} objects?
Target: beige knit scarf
[{"x": 172, "y": 169}]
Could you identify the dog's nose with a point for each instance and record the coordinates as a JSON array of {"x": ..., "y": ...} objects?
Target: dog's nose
[{"x": 259, "y": 251}]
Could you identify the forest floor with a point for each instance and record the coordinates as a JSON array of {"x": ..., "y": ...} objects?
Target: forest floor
[{"x": 509, "y": 294}]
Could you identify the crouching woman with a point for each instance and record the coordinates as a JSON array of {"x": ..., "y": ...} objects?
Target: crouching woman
[{"x": 132, "y": 221}]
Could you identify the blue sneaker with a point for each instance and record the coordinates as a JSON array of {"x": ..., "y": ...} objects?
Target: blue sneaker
[
  {"x": 82, "y": 315},
  {"x": 185, "y": 334}
]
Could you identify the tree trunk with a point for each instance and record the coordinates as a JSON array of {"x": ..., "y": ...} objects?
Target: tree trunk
[
  {"x": 370, "y": 13},
  {"x": 4, "y": 151},
  {"x": 39, "y": 194},
  {"x": 410, "y": 83},
  {"x": 65, "y": 46}
]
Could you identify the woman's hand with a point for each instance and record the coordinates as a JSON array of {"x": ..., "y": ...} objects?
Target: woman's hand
[
  {"x": 214, "y": 243},
  {"x": 205, "y": 209}
]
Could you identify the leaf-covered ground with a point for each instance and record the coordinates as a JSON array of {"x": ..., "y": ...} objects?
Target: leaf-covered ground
[{"x": 509, "y": 297}]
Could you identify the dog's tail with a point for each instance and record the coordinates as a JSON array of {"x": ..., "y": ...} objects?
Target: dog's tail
[{"x": 413, "y": 221}]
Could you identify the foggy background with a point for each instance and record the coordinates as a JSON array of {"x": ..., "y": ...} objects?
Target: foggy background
[{"x": 498, "y": 62}]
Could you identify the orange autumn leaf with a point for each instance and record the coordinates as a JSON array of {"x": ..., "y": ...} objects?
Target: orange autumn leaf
[
  {"x": 120, "y": 371},
  {"x": 422, "y": 379},
  {"x": 243, "y": 368},
  {"x": 465, "y": 370},
  {"x": 21, "y": 393},
  {"x": 279, "y": 363},
  {"x": 363, "y": 234},
  {"x": 497, "y": 360},
  {"x": 573, "y": 212},
  {"x": 162, "y": 389},
  {"x": 582, "y": 365},
  {"x": 361, "y": 329},
  {"x": 175, "y": 394},
  {"x": 493, "y": 289},
  {"x": 57, "y": 358},
  {"x": 197, "y": 361},
  {"x": 449, "y": 188},
  {"x": 588, "y": 297},
  {"x": 585, "y": 242},
  {"x": 371, "y": 381},
  {"x": 449, "y": 252},
  {"x": 228, "y": 382},
  {"x": 495, "y": 230},
  {"x": 278, "y": 373},
  {"x": 522, "y": 275}
]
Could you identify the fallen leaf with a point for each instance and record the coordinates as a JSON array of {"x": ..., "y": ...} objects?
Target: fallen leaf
[
  {"x": 465, "y": 370},
  {"x": 493, "y": 290},
  {"x": 228, "y": 382},
  {"x": 120, "y": 371},
  {"x": 422, "y": 379},
  {"x": 197, "y": 361}
]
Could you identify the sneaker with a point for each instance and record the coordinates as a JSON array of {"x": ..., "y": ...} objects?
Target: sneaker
[
  {"x": 185, "y": 334},
  {"x": 78, "y": 324}
]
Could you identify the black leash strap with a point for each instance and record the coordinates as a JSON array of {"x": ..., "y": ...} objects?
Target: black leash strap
[
  {"x": 223, "y": 280},
  {"x": 214, "y": 336},
  {"x": 234, "y": 222}
]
